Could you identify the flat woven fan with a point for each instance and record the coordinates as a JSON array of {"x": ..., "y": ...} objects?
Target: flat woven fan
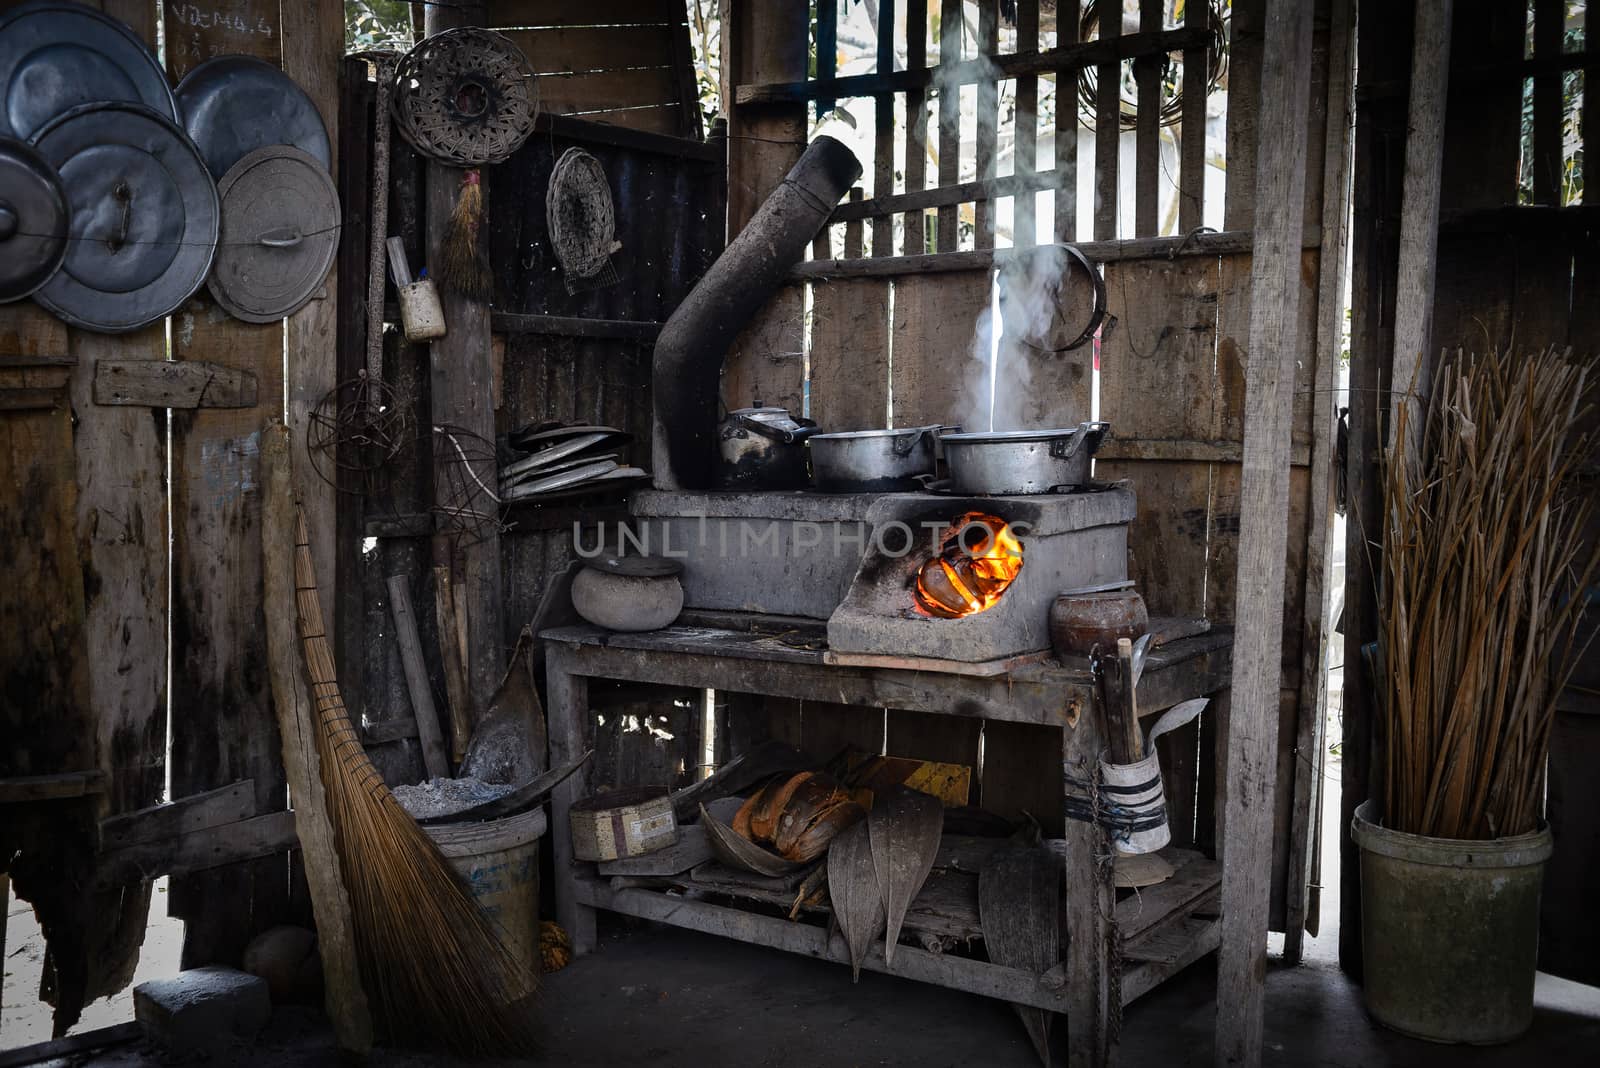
[
  {"x": 583, "y": 228},
  {"x": 465, "y": 97}
]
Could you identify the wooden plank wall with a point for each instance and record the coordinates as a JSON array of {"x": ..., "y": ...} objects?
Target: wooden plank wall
[
  {"x": 892, "y": 331},
  {"x": 622, "y": 62},
  {"x": 223, "y": 727},
  {"x": 563, "y": 357}
]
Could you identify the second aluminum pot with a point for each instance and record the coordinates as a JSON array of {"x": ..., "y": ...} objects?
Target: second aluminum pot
[
  {"x": 873, "y": 461},
  {"x": 1022, "y": 461}
]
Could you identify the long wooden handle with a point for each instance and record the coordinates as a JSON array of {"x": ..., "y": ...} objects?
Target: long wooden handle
[{"x": 1122, "y": 706}]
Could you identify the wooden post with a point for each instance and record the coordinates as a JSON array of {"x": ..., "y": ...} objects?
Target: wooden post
[
  {"x": 568, "y": 695},
  {"x": 761, "y": 42},
  {"x": 346, "y": 1000},
  {"x": 1090, "y": 902},
  {"x": 1305, "y": 819},
  {"x": 1263, "y": 534},
  {"x": 1419, "y": 215},
  {"x": 462, "y": 392}
]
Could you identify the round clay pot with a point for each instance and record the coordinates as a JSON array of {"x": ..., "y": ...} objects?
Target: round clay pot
[
  {"x": 628, "y": 593},
  {"x": 1079, "y": 622}
]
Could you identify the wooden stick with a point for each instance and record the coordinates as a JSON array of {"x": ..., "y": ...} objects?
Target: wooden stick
[
  {"x": 417, "y": 685},
  {"x": 346, "y": 1000},
  {"x": 1122, "y": 706},
  {"x": 455, "y": 674}
]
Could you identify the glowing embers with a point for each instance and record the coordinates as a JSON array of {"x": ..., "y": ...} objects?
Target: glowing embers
[{"x": 977, "y": 561}]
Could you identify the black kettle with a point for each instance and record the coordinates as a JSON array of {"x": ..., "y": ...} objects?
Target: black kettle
[{"x": 763, "y": 448}]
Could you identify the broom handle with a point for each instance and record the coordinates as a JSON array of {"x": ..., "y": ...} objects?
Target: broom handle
[{"x": 344, "y": 744}]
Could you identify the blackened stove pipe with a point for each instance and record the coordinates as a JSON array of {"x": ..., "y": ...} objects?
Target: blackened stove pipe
[{"x": 686, "y": 374}]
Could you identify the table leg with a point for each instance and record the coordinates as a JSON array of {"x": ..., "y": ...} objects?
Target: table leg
[
  {"x": 568, "y": 708},
  {"x": 1089, "y": 908}
]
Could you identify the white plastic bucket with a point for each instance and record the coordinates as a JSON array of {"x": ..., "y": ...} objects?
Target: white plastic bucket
[{"x": 499, "y": 859}]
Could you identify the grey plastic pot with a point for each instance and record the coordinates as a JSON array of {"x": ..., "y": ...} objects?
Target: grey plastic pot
[{"x": 1449, "y": 930}]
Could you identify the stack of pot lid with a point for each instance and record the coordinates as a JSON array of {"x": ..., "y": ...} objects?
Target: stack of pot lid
[
  {"x": 566, "y": 461},
  {"x": 33, "y": 220},
  {"x": 58, "y": 56},
  {"x": 279, "y": 233},
  {"x": 144, "y": 216}
]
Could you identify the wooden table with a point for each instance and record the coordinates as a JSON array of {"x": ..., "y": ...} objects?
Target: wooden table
[{"x": 1160, "y": 930}]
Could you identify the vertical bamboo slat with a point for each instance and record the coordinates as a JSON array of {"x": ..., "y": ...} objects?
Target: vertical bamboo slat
[
  {"x": 1192, "y": 133},
  {"x": 988, "y": 118},
  {"x": 883, "y": 134},
  {"x": 827, "y": 49},
  {"x": 1025, "y": 154},
  {"x": 1066, "y": 137},
  {"x": 1147, "y": 136},
  {"x": 1107, "y": 130},
  {"x": 1547, "y": 20},
  {"x": 950, "y": 22},
  {"x": 916, "y": 168}
]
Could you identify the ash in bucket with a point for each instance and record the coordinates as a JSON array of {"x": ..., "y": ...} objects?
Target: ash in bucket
[{"x": 976, "y": 563}]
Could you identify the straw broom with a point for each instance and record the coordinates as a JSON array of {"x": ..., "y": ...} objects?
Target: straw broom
[
  {"x": 1483, "y": 578},
  {"x": 436, "y": 969}
]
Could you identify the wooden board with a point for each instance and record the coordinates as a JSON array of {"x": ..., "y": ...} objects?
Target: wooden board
[
  {"x": 767, "y": 361},
  {"x": 850, "y": 354},
  {"x": 935, "y": 378},
  {"x": 222, "y": 720}
]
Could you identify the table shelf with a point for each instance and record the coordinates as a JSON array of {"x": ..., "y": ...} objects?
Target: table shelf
[{"x": 1161, "y": 929}]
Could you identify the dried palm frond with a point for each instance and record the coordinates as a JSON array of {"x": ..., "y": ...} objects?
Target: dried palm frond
[{"x": 1482, "y": 584}]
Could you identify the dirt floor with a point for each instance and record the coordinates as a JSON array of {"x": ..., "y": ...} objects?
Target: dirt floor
[{"x": 660, "y": 997}]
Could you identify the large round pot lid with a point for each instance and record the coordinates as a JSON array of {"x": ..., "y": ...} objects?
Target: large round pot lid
[
  {"x": 56, "y": 56},
  {"x": 144, "y": 216},
  {"x": 33, "y": 220},
  {"x": 233, "y": 105},
  {"x": 279, "y": 234}
]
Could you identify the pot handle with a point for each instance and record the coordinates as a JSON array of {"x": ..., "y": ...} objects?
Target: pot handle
[
  {"x": 1089, "y": 435},
  {"x": 767, "y": 430},
  {"x": 904, "y": 443}
]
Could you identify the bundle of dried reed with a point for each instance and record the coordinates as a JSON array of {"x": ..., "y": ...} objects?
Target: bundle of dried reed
[{"x": 1482, "y": 580}]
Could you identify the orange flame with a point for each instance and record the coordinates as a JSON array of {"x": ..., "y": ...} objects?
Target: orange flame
[{"x": 974, "y": 567}]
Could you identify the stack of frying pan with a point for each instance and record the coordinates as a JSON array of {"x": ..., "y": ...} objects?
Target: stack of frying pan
[
  {"x": 119, "y": 197},
  {"x": 545, "y": 462}
]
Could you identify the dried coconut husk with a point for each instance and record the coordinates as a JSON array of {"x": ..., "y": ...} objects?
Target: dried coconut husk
[
  {"x": 740, "y": 853},
  {"x": 853, "y": 893},
  {"x": 903, "y": 829}
]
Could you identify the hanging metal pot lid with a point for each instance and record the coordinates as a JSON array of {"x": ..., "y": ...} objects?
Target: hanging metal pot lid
[
  {"x": 233, "y": 105},
  {"x": 56, "y": 56},
  {"x": 144, "y": 216},
  {"x": 33, "y": 220},
  {"x": 279, "y": 233}
]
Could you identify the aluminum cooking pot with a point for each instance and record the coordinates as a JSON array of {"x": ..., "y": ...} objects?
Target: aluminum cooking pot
[
  {"x": 763, "y": 448},
  {"x": 1022, "y": 461},
  {"x": 873, "y": 461}
]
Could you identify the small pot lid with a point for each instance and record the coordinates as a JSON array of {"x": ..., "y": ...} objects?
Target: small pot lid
[
  {"x": 57, "y": 56},
  {"x": 233, "y": 105},
  {"x": 144, "y": 216},
  {"x": 636, "y": 566},
  {"x": 279, "y": 233},
  {"x": 33, "y": 220}
]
